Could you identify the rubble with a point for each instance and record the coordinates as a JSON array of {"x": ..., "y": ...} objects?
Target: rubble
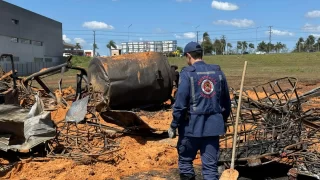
[{"x": 274, "y": 127}]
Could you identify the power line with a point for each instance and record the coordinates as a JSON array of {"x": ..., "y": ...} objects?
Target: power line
[{"x": 169, "y": 32}]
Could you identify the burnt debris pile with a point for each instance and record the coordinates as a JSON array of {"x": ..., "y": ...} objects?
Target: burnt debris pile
[{"x": 277, "y": 125}]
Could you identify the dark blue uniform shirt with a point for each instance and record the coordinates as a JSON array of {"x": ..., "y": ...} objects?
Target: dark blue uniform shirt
[{"x": 202, "y": 101}]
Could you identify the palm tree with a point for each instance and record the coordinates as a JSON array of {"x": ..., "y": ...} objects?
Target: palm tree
[
  {"x": 251, "y": 46},
  {"x": 239, "y": 45},
  {"x": 318, "y": 42},
  {"x": 95, "y": 46},
  {"x": 244, "y": 46},
  {"x": 110, "y": 45},
  {"x": 271, "y": 47},
  {"x": 278, "y": 47},
  {"x": 310, "y": 41},
  {"x": 205, "y": 35},
  {"x": 300, "y": 44},
  {"x": 262, "y": 46},
  {"x": 229, "y": 46},
  {"x": 206, "y": 44},
  {"x": 217, "y": 46},
  {"x": 78, "y": 46},
  {"x": 223, "y": 43}
]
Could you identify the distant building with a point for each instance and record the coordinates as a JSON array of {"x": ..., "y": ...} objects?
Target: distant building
[
  {"x": 88, "y": 53},
  {"x": 30, "y": 37},
  {"x": 149, "y": 46},
  {"x": 116, "y": 51},
  {"x": 71, "y": 49}
]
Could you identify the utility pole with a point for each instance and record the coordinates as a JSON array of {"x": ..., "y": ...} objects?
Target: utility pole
[
  {"x": 197, "y": 33},
  {"x": 94, "y": 43},
  {"x": 270, "y": 32},
  {"x": 197, "y": 36}
]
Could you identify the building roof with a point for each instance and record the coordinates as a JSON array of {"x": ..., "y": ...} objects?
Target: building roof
[{"x": 68, "y": 45}]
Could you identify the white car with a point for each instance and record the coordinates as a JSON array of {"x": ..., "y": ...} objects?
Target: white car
[
  {"x": 66, "y": 54},
  {"x": 260, "y": 52}
]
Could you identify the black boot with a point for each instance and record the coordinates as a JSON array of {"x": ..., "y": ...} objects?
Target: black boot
[{"x": 187, "y": 177}]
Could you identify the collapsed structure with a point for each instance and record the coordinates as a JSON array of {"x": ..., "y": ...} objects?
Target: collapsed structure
[{"x": 275, "y": 124}]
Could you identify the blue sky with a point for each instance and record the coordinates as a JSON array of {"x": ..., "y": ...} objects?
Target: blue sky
[{"x": 238, "y": 20}]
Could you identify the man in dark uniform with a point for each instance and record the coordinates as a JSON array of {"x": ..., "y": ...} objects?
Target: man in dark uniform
[{"x": 200, "y": 111}]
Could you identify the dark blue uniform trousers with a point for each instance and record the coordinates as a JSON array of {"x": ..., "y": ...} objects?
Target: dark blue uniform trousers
[{"x": 209, "y": 149}]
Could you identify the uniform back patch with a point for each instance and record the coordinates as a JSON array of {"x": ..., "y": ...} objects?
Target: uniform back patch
[{"x": 207, "y": 86}]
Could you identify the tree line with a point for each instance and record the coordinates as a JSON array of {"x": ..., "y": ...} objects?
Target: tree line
[
  {"x": 220, "y": 46},
  {"x": 310, "y": 44}
]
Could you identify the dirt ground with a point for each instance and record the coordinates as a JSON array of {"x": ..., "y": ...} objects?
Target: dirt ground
[{"x": 139, "y": 158}]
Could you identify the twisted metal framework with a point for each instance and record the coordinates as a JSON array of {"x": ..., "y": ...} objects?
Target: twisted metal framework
[
  {"x": 273, "y": 127},
  {"x": 86, "y": 138},
  {"x": 76, "y": 136}
]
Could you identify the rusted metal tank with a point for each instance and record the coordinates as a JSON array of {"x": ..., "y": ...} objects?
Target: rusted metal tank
[{"x": 132, "y": 80}]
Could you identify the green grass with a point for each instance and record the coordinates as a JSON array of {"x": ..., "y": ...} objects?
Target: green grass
[{"x": 261, "y": 68}]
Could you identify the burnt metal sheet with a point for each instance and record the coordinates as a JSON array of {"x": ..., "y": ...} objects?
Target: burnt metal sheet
[
  {"x": 134, "y": 80},
  {"x": 23, "y": 129},
  {"x": 78, "y": 110}
]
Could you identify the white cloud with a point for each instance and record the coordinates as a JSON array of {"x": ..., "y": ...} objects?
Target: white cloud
[
  {"x": 316, "y": 35},
  {"x": 280, "y": 33},
  {"x": 236, "y": 22},
  {"x": 225, "y": 6},
  {"x": 141, "y": 39},
  {"x": 183, "y": 0},
  {"x": 80, "y": 41},
  {"x": 66, "y": 39},
  {"x": 97, "y": 25},
  {"x": 313, "y": 14},
  {"x": 188, "y": 35},
  {"x": 177, "y": 36},
  {"x": 311, "y": 28}
]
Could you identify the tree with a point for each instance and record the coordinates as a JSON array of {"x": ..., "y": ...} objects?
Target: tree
[
  {"x": 180, "y": 49},
  {"x": 229, "y": 46},
  {"x": 251, "y": 46},
  {"x": 262, "y": 47},
  {"x": 78, "y": 46},
  {"x": 310, "y": 42},
  {"x": 244, "y": 46},
  {"x": 300, "y": 45},
  {"x": 110, "y": 45},
  {"x": 223, "y": 43},
  {"x": 284, "y": 48},
  {"x": 239, "y": 46},
  {"x": 207, "y": 44},
  {"x": 217, "y": 46},
  {"x": 95, "y": 46},
  {"x": 278, "y": 47},
  {"x": 205, "y": 35},
  {"x": 270, "y": 47},
  {"x": 318, "y": 44}
]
